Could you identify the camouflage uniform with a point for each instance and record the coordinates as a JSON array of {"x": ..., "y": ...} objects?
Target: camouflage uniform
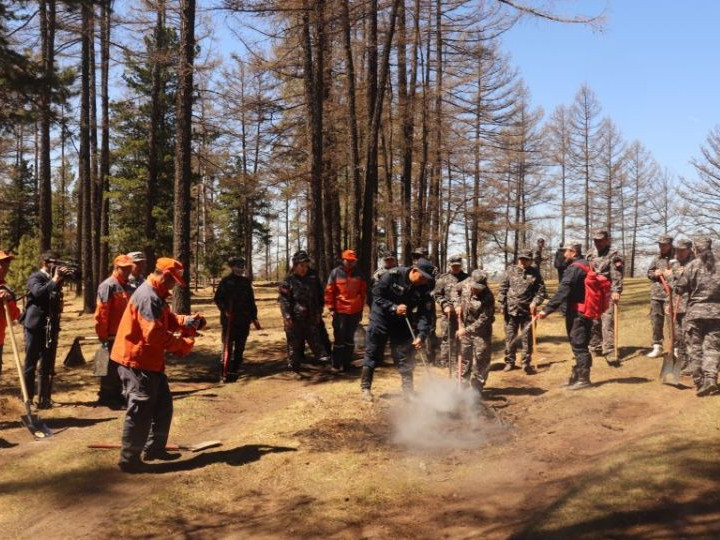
[
  {"x": 301, "y": 303},
  {"x": 608, "y": 263},
  {"x": 442, "y": 294},
  {"x": 658, "y": 296},
  {"x": 235, "y": 299},
  {"x": 702, "y": 318},
  {"x": 520, "y": 288},
  {"x": 476, "y": 305},
  {"x": 681, "y": 302}
]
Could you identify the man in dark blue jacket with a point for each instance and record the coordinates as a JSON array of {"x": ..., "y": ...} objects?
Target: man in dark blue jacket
[
  {"x": 41, "y": 322},
  {"x": 570, "y": 293},
  {"x": 400, "y": 295}
]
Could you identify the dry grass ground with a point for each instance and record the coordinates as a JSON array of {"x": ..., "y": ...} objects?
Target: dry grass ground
[{"x": 627, "y": 458}]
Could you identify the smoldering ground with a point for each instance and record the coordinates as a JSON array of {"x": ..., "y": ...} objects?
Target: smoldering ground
[{"x": 443, "y": 416}]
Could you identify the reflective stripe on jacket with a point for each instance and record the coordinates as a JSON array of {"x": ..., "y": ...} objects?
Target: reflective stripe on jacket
[{"x": 147, "y": 329}]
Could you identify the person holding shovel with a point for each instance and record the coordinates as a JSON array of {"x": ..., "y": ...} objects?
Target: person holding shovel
[
  {"x": 684, "y": 256},
  {"x": 112, "y": 298},
  {"x": 475, "y": 308},
  {"x": 401, "y": 301},
  {"x": 235, "y": 299},
  {"x": 521, "y": 291},
  {"x": 658, "y": 296},
  {"x": 148, "y": 329},
  {"x": 443, "y": 297},
  {"x": 6, "y": 296}
]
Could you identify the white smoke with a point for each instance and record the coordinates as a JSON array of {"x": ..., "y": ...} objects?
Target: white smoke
[{"x": 442, "y": 416}]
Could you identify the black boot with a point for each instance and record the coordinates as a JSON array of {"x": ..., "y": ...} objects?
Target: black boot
[
  {"x": 44, "y": 401},
  {"x": 582, "y": 381},
  {"x": 573, "y": 376},
  {"x": 708, "y": 387},
  {"x": 366, "y": 378},
  {"x": 407, "y": 384}
]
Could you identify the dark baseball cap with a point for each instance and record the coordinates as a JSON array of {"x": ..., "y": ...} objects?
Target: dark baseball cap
[
  {"x": 389, "y": 255},
  {"x": 236, "y": 261},
  {"x": 425, "y": 267}
]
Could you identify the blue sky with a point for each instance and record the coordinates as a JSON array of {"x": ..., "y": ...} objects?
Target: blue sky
[{"x": 653, "y": 67}]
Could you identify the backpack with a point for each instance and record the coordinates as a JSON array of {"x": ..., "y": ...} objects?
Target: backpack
[{"x": 597, "y": 293}]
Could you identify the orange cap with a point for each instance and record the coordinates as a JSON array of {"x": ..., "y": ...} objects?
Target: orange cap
[
  {"x": 166, "y": 265},
  {"x": 123, "y": 261},
  {"x": 349, "y": 255},
  {"x": 6, "y": 255}
]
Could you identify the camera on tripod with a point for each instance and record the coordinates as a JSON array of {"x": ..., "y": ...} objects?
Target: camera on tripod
[{"x": 73, "y": 270}]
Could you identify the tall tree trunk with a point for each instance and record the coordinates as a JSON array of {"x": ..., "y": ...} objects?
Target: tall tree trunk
[
  {"x": 95, "y": 187},
  {"x": 183, "y": 140},
  {"x": 47, "y": 36},
  {"x": 151, "y": 181},
  {"x": 371, "y": 151},
  {"x": 436, "y": 170},
  {"x": 105, "y": 22},
  {"x": 85, "y": 170}
]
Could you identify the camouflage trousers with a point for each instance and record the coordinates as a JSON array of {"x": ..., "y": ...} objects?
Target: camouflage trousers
[
  {"x": 476, "y": 351},
  {"x": 602, "y": 335},
  {"x": 657, "y": 320},
  {"x": 449, "y": 326},
  {"x": 303, "y": 331},
  {"x": 681, "y": 349},
  {"x": 703, "y": 340},
  {"x": 515, "y": 325}
]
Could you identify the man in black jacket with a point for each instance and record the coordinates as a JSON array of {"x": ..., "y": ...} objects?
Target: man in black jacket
[
  {"x": 570, "y": 293},
  {"x": 41, "y": 322},
  {"x": 236, "y": 301},
  {"x": 401, "y": 295}
]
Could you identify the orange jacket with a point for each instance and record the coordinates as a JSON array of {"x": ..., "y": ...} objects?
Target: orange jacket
[
  {"x": 112, "y": 299},
  {"x": 14, "y": 314},
  {"x": 147, "y": 329},
  {"x": 345, "y": 291}
]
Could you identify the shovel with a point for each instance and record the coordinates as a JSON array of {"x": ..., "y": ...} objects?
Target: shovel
[
  {"x": 194, "y": 448},
  {"x": 422, "y": 350},
  {"x": 670, "y": 365},
  {"x": 37, "y": 427}
]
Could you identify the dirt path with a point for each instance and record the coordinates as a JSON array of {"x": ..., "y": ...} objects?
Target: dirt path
[{"x": 628, "y": 458}]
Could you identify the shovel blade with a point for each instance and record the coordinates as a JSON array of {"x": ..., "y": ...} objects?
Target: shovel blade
[
  {"x": 670, "y": 366},
  {"x": 36, "y": 426},
  {"x": 74, "y": 357}
]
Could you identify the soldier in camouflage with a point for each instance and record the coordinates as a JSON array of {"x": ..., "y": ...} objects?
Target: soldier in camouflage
[
  {"x": 442, "y": 294},
  {"x": 658, "y": 297},
  {"x": 301, "y": 304},
  {"x": 609, "y": 263},
  {"x": 683, "y": 256},
  {"x": 701, "y": 281},
  {"x": 235, "y": 299},
  {"x": 389, "y": 262},
  {"x": 474, "y": 305},
  {"x": 521, "y": 291}
]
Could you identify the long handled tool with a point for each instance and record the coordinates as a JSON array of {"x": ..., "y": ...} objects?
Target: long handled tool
[
  {"x": 670, "y": 365},
  {"x": 422, "y": 352},
  {"x": 194, "y": 448},
  {"x": 524, "y": 330},
  {"x": 226, "y": 346},
  {"x": 31, "y": 421}
]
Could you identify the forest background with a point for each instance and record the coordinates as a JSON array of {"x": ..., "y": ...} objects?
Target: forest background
[{"x": 258, "y": 127}]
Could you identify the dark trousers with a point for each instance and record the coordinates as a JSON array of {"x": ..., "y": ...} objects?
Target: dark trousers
[
  {"x": 36, "y": 350},
  {"x": 300, "y": 332},
  {"x": 578, "y": 330},
  {"x": 149, "y": 412},
  {"x": 514, "y": 325},
  {"x": 111, "y": 387},
  {"x": 236, "y": 346},
  {"x": 657, "y": 319},
  {"x": 344, "y": 326},
  {"x": 401, "y": 349}
]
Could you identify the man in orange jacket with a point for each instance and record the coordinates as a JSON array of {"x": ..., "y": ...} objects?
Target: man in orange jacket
[
  {"x": 345, "y": 297},
  {"x": 112, "y": 299},
  {"x": 147, "y": 331},
  {"x": 6, "y": 295}
]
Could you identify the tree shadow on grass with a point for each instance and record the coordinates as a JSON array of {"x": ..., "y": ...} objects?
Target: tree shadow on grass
[{"x": 242, "y": 455}]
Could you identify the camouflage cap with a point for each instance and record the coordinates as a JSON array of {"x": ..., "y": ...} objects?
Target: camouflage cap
[
  {"x": 703, "y": 243},
  {"x": 665, "y": 239},
  {"x": 455, "y": 259},
  {"x": 599, "y": 234},
  {"x": 574, "y": 245},
  {"x": 540, "y": 240},
  {"x": 420, "y": 252},
  {"x": 389, "y": 255},
  {"x": 525, "y": 254},
  {"x": 478, "y": 279},
  {"x": 684, "y": 244},
  {"x": 300, "y": 256}
]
